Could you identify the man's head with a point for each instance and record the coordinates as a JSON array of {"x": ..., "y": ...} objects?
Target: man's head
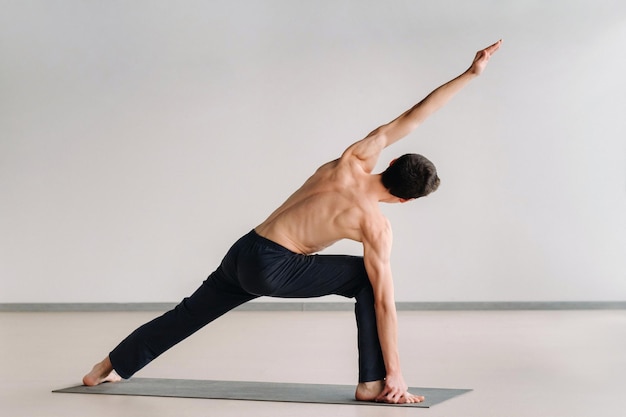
[{"x": 410, "y": 176}]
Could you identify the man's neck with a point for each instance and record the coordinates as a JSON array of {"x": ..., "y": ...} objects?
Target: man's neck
[{"x": 379, "y": 191}]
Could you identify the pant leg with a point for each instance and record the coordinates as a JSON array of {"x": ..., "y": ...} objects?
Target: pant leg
[
  {"x": 371, "y": 362},
  {"x": 346, "y": 276},
  {"x": 215, "y": 297}
]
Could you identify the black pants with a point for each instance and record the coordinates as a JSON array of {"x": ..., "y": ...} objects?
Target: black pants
[{"x": 254, "y": 267}]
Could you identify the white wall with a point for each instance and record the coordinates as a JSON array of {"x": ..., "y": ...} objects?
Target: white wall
[{"x": 139, "y": 139}]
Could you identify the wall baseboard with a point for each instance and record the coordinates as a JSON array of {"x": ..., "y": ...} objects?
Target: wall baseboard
[{"x": 325, "y": 306}]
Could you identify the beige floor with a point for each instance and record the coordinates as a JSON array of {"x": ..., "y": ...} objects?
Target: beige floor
[{"x": 541, "y": 363}]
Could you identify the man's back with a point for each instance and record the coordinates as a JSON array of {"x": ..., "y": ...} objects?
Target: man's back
[{"x": 333, "y": 204}]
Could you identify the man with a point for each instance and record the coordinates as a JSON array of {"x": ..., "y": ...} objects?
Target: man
[{"x": 340, "y": 201}]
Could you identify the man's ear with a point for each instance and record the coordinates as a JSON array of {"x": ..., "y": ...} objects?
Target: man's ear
[
  {"x": 393, "y": 161},
  {"x": 404, "y": 200}
]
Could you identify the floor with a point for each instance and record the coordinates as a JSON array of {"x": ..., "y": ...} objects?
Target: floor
[{"x": 519, "y": 363}]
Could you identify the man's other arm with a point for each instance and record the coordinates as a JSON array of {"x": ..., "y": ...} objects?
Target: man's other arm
[{"x": 376, "y": 254}]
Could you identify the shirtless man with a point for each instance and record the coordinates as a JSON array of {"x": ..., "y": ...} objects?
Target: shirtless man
[{"x": 340, "y": 201}]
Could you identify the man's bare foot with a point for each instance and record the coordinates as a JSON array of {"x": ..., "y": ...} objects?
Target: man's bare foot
[
  {"x": 369, "y": 391},
  {"x": 101, "y": 372}
]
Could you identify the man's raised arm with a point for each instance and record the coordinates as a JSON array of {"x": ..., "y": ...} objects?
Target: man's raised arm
[{"x": 368, "y": 149}]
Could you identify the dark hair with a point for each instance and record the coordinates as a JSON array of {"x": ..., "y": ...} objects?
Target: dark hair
[{"x": 411, "y": 176}]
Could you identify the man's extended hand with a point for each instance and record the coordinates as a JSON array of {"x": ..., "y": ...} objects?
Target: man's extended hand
[{"x": 482, "y": 57}]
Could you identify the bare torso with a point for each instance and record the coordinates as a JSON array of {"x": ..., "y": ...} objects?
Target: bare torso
[{"x": 335, "y": 203}]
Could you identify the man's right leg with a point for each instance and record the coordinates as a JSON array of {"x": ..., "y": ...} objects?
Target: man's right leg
[
  {"x": 216, "y": 296},
  {"x": 302, "y": 276}
]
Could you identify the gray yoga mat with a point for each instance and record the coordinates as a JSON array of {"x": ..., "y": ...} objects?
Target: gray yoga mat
[{"x": 256, "y": 391}]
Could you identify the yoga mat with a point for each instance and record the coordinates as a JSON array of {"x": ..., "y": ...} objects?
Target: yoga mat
[{"x": 256, "y": 391}]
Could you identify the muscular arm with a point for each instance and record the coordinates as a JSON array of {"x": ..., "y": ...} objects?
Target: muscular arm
[
  {"x": 368, "y": 149},
  {"x": 377, "y": 249}
]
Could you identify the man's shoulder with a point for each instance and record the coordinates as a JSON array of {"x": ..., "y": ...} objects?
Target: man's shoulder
[
  {"x": 374, "y": 222},
  {"x": 376, "y": 236}
]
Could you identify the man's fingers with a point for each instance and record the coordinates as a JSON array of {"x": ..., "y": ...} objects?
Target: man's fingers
[
  {"x": 493, "y": 48},
  {"x": 388, "y": 395},
  {"x": 488, "y": 51},
  {"x": 396, "y": 396}
]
